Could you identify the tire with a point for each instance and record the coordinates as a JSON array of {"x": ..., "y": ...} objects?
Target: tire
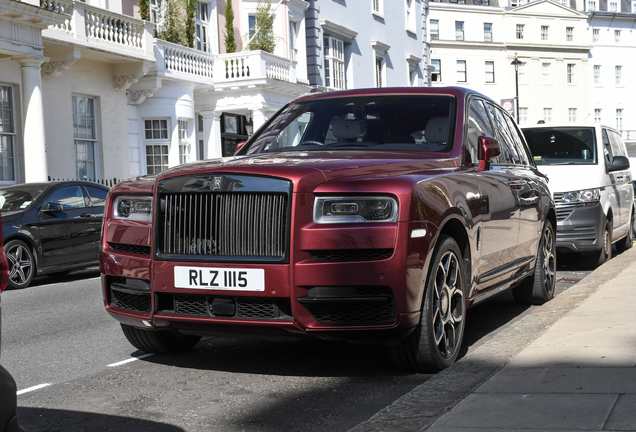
[
  {"x": 539, "y": 288},
  {"x": 605, "y": 254},
  {"x": 628, "y": 241},
  {"x": 435, "y": 343},
  {"x": 21, "y": 264},
  {"x": 159, "y": 341}
]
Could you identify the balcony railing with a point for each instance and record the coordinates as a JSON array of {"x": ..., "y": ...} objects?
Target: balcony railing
[
  {"x": 100, "y": 29},
  {"x": 183, "y": 63}
]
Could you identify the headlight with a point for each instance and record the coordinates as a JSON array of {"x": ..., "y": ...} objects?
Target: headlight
[
  {"x": 358, "y": 209},
  {"x": 581, "y": 197},
  {"x": 132, "y": 208}
]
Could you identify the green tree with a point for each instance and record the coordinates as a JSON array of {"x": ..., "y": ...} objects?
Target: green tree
[
  {"x": 230, "y": 42},
  {"x": 144, "y": 9},
  {"x": 191, "y": 11},
  {"x": 264, "y": 38},
  {"x": 173, "y": 27}
]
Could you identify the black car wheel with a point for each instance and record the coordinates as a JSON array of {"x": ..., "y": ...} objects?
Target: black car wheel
[
  {"x": 435, "y": 344},
  {"x": 628, "y": 241},
  {"x": 21, "y": 264},
  {"x": 605, "y": 254},
  {"x": 539, "y": 288},
  {"x": 159, "y": 341}
]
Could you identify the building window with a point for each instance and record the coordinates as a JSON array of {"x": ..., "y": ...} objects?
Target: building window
[
  {"x": 436, "y": 75},
  {"x": 156, "y": 153},
  {"x": 597, "y": 74},
  {"x": 618, "y": 72},
  {"x": 571, "y": 74},
  {"x": 544, "y": 33},
  {"x": 434, "y": 29},
  {"x": 199, "y": 123},
  {"x": 595, "y": 35},
  {"x": 155, "y": 15},
  {"x": 545, "y": 73},
  {"x": 520, "y": 28},
  {"x": 85, "y": 137},
  {"x": 293, "y": 40},
  {"x": 490, "y": 72},
  {"x": 411, "y": 16},
  {"x": 547, "y": 114},
  {"x": 569, "y": 34},
  {"x": 617, "y": 36},
  {"x": 523, "y": 115},
  {"x": 597, "y": 115},
  {"x": 481, "y": 2},
  {"x": 251, "y": 22},
  {"x": 461, "y": 70},
  {"x": 378, "y": 6},
  {"x": 379, "y": 72},
  {"x": 613, "y": 6},
  {"x": 334, "y": 63},
  {"x": 591, "y": 5},
  {"x": 7, "y": 135},
  {"x": 459, "y": 30},
  {"x": 184, "y": 145},
  {"x": 571, "y": 115},
  {"x": 522, "y": 74},
  {"x": 619, "y": 119},
  {"x": 202, "y": 28},
  {"x": 201, "y": 150},
  {"x": 487, "y": 32}
]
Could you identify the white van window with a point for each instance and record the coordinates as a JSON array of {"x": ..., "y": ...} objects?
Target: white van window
[
  {"x": 562, "y": 145},
  {"x": 616, "y": 142},
  {"x": 607, "y": 148}
]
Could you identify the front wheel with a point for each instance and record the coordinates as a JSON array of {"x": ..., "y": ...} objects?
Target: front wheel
[
  {"x": 539, "y": 288},
  {"x": 605, "y": 254},
  {"x": 159, "y": 341},
  {"x": 435, "y": 343},
  {"x": 21, "y": 264},
  {"x": 628, "y": 241}
]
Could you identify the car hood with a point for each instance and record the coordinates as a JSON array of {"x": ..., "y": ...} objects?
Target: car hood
[
  {"x": 565, "y": 178},
  {"x": 309, "y": 169}
]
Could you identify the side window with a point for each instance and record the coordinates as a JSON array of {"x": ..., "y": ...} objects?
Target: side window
[
  {"x": 478, "y": 125},
  {"x": 607, "y": 149},
  {"x": 70, "y": 197},
  {"x": 516, "y": 136},
  {"x": 97, "y": 196},
  {"x": 506, "y": 157},
  {"x": 618, "y": 148}
]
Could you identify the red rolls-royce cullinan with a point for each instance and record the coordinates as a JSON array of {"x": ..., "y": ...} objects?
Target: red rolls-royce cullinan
[{"x": 366, "y": 215}]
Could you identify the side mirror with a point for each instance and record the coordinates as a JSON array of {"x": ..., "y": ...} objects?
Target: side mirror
[
  {"x": 52, "y": 207},
  {"x": 239, "y": 146},
  {"x": 488, "y": 149},
  {"x": 620, "y": 163}
]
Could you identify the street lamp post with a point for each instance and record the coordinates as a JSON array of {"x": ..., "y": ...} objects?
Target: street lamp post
[{"x": 516, "y": 64}]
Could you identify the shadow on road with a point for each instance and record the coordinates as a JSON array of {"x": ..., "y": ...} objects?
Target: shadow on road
[{"x": 52, "y": 420}]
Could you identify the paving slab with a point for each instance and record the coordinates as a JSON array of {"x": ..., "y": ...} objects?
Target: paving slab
[
  {"x": 623, "y": 417},
  {"x": 547, "y": 356},
  {"x": 524, "y": 411},
  {"x": 513, "y": 379}
]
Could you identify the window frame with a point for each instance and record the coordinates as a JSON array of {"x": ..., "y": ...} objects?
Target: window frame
[
  {"x": 88, "y": 142},
  {"x": 618, "y": 75},
  {"x": 435, "y": 35},
  {"x": 436, "y": 70},
  {"x": 571, "y": 73},
  {"x": 162, "y": 143},
  {"x": 184, "y": 141},
  {"x": 335, "y": 66},
  {"x": 597, "y": 74},
  {"x": 487, "y": 72},
  {"x": 464, "y": 72},
  {"x": 519, "y": 31},
  {"x": 202, "y": 27},
  {"x": 545, "y": 32},
  {"x": 459, "y": 30},
  {"x": 488, "y": 32},
  {"x": 569, "y": 34},
  {"x": 10, "y": 135}
]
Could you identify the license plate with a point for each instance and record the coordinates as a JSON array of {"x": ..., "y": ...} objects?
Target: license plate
[{"x": 212, "y": 278}]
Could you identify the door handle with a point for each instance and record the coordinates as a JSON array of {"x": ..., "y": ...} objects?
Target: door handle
[
  {"x": 517, "y": 184},
  {"x": 86, "y": 214}
]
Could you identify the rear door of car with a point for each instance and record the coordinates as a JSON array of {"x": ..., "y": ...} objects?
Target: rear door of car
[{"x": 67, "y": 236}]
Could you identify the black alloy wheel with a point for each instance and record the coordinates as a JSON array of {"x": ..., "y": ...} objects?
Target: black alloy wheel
[
  {"x": 605, "y": 254},
  {"x": 539, "y": 288},
  {"x": 436, "y": 342},
  {"x": 21, "y": 264}
]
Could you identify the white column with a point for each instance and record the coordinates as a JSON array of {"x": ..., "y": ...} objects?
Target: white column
[
  {"x": 259, "y": 118},
  {"x": 212, "y": 133},
  {"x": 35, "y": 162}
]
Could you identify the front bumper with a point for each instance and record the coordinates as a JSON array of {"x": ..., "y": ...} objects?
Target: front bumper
[{"x": 580, "y": 228}]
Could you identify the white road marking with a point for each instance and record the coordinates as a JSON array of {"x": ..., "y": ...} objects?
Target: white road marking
[
  {"x": 30, "y": 389},
  {"x": 130, "y": 360}
]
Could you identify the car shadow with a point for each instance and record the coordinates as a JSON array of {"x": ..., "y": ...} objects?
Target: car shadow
[
  {"x": 45, "y": 419},
  {"x": 87, "y": 273}
]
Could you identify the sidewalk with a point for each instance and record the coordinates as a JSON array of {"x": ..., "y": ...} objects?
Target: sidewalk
[{"x": 576, "y": 372}]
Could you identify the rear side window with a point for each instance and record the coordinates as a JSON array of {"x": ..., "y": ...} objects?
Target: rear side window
[
  {"x": 97, "y": 195},
  {"x": 616, "y": 142},
  {"x": 508, "y": 155},
  {"x": 524, "y": 157}
]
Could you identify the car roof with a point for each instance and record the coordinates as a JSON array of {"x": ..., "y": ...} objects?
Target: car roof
[
  {"x": 51, "y": 184},
  {"x": 458, "y": 92}
]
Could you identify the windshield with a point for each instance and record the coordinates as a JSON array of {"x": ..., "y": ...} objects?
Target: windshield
[
  {"x": 398, "y": 122},
  {"x": 562, "y": 146},
  {"x": 20, "y": 197}
]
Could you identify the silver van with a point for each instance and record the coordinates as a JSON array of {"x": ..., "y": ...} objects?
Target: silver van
[{"x": 590, "y": 179}]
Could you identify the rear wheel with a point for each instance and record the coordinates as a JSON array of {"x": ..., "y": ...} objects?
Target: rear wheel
[
  {"x": 21, "y": 264},
  {"x": 628, "y": 241},
  {"x": 435, "y": 343},
  {"x": 539, "y": 288},
  {"x": 159, "y": 341}
]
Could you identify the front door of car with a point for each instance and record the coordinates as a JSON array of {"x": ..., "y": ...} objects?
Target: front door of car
[{"x": 67, "y": 233}]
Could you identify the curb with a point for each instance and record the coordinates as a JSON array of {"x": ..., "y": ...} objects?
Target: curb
[{"x": 421, "y": 407}]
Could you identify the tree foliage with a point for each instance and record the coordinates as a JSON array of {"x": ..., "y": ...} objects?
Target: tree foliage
[
  {"x": 264, "y": 38},
  {"x": 230, "y": 42},
  {"x": 191, "y": 11},
  {"x": 174, "y": 23},
  {"x": 144, "y": 9}
]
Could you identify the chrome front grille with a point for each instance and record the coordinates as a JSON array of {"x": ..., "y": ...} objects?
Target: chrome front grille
[
  {"x": 558, "y": 196},
  {"x": 244, "y": 223}
]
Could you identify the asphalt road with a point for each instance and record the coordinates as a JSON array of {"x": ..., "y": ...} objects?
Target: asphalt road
[{"x": 76, "y": 372}]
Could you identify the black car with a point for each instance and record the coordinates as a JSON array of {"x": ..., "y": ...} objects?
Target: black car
[{"x": 51, "y": 227}]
